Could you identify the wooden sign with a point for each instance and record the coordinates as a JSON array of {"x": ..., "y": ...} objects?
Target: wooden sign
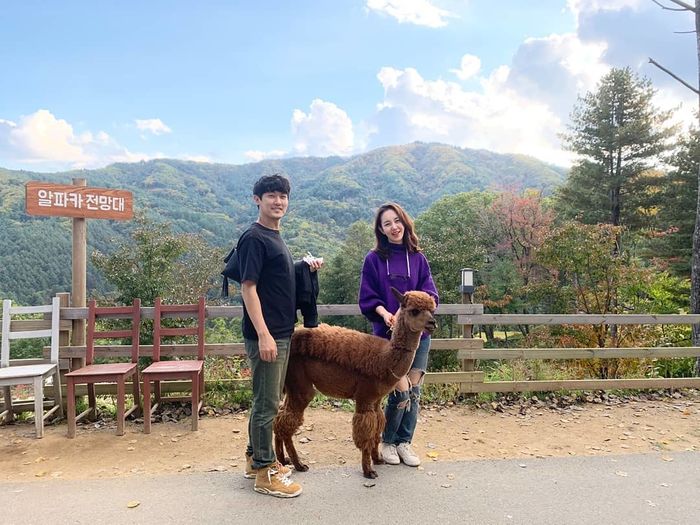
[{"x": 62, "y": 200}]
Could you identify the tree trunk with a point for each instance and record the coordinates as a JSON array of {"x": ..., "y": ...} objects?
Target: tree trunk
[
  {"x": 695, "y": 266},
  {"x": 695, "y": 273}
]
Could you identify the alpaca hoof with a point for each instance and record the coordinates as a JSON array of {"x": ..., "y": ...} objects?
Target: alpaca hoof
[
  {"x": 371, "y": 474},
  {"x": 301, "y": 467},
  {"x": 378, "y": 461}
]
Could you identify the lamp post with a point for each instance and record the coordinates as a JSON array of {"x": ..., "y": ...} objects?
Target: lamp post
[{"x": 467, "y": 289}]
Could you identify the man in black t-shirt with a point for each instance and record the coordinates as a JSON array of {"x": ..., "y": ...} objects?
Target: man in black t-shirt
[{"x": 269, "y": 313}]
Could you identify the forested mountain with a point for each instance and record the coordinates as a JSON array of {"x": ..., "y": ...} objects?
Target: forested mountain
[{"x": 214, "y": 200}]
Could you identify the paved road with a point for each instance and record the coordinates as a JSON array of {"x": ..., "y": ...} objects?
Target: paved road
[{"x": 634, "y": 489}]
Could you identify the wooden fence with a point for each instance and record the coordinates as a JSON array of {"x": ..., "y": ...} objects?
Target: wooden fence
[{"x": 469, "y": 350}]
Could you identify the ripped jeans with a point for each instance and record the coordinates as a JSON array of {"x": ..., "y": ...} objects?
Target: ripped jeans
[{"x": 402, "y": 408}]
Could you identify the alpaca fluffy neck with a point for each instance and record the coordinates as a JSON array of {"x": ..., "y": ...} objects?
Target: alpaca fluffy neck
[{"x": 403, "y": 347}]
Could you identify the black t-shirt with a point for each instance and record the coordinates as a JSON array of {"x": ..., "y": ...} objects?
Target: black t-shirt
[{"x": 265, "y": 259}]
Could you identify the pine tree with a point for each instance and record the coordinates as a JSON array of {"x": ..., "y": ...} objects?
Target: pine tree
[{"x": 618, "y": 133}]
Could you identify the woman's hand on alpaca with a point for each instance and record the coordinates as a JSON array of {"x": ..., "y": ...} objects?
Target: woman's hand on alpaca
[
  {"x": 389, "y": 318},
  {"x": 386, "y": 315}
]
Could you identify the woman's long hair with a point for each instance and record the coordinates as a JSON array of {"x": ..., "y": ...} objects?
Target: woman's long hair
[{"x": 410, "y": 239}]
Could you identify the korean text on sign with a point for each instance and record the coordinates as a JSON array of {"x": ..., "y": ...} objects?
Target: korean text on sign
[{"x": 62, "y": 199}]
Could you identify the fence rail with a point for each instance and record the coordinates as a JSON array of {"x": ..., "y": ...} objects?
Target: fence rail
[
  {"x": 577, "y": 319},
  {"x": 468, "y": 350}
]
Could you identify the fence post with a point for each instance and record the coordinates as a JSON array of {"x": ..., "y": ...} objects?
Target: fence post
[{"x": 64, "y": 337}]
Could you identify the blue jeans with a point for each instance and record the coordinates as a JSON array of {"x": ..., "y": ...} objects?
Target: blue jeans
[
  {"x": 268, "y": 382},
  {"x": 401, "y": 411}
]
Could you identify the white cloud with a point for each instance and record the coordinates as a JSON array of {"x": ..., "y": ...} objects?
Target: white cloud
[
  {"x": 418, "y": 12},
  {"x": 579, "y": 7},
  {"x": 468, "y": 67},
  {"x": 496, "y": 118},
  {"x": 41, "y": 136},
  {"x": 325, "y": 130},
  {"x": 522, "y": 107},
  {"x": 153, "y": 125},
  {"x": 46, "y": 142},
  {"x": 555, "y": 69}
]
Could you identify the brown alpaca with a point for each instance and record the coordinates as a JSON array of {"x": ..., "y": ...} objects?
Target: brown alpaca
[{"x": 348, "y": 364}]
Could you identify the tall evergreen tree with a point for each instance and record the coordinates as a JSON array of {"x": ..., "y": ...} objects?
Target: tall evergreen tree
[{"x": 619, "y": 133}]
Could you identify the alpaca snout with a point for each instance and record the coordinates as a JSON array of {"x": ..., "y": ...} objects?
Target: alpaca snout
[{"x": 431, "y": 325}]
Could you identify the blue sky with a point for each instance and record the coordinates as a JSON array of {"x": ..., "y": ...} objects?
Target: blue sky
[{"x": 88, "y": 83}]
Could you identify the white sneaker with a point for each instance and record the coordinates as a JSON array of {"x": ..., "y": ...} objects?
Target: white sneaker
[
  {"x": 389, "y": 454},
  {"x": 405, "y": 452}
]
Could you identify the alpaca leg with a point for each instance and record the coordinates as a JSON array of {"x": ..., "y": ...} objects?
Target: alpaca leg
[
  {"x": 376, "y": 457},
  {"x": 287, "y": 421},
  {"x": 279, "y": 440},
  {"x": 364, "y": 431},
  {"x": 299, "y": 393}
]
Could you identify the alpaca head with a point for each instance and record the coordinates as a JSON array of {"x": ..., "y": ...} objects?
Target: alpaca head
[{"x": 416, "y": 312}]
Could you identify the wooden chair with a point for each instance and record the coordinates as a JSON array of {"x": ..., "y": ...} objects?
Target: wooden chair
[
  {"x": 109, "y": 372},
  {"x": 172, "y": 370},
  {"x": 31, "y": 374}
]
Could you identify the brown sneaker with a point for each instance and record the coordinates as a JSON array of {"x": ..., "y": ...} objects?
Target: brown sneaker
[
  {"x": 250, "y": 472},
  {"x": 270, "y": 481}
]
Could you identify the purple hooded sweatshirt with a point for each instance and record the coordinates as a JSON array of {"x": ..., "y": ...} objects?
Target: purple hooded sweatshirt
[{"x": 404, "y": 271}]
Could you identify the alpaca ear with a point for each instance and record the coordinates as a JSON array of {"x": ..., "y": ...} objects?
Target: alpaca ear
[{"x": 399, "y": 296}]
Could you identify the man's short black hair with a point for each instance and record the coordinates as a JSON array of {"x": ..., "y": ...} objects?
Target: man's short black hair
[{"x": 271, "y": 183}]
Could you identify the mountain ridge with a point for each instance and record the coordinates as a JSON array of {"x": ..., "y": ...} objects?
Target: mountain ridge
[{"x": 214, "y": 200}]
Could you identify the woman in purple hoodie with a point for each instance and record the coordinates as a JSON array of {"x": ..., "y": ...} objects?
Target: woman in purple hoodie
[{"x": 397, "y": 261}]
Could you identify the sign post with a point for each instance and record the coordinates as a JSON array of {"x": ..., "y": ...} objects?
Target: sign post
[{"x": 81, "y": 203}]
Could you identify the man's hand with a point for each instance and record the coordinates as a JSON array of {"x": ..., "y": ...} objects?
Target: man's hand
[
  {"x": 266, "y": 343},
  {"x": 267, "y": 347},
  {"x": 314, "y": 263}
]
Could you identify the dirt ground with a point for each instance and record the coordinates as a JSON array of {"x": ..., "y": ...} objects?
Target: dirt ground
[{"x": 458, "y": 432}]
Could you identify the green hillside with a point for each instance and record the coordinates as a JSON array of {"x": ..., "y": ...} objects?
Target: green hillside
[{"x": 214, "y": 200}]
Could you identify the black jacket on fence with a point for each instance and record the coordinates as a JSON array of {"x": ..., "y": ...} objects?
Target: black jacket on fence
[{"x": 307, "y": 293}]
